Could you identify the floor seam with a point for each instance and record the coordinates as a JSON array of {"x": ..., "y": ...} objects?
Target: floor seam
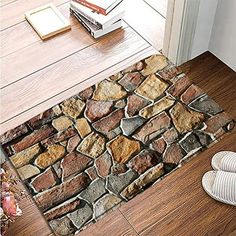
[{"x": 128, "y": 222}]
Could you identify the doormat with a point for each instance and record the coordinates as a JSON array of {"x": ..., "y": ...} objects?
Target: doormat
[{"x": 111, "y": 141}]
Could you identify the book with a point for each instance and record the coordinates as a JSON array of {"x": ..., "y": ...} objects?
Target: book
[
  {"x": 97, "y": 18},
  {"x": 95, "y": 30},
  {"x": 101, "y": 6}
]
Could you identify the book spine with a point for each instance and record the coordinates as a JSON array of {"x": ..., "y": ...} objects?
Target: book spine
[
  {"x": 93, "y": 7},
  {"x": 86, "y": 16},
  {"x": 85, "y": 26}
]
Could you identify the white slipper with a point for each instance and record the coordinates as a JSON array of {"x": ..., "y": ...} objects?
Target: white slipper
[
  {"x": 221, "y": 186},
  {"x": 225, "y": 161}
]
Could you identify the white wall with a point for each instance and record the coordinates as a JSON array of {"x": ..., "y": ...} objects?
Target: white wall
[
  {"x": 205, "y": 20},
  {"x": 223, "y": 38}
]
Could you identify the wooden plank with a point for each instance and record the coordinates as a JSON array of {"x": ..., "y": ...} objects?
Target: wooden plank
[
  {"x": 13, "y": 13},
  {"x": 5, "y": 2},
  {"x": 22, "y": 35},
  {"x": 146, "y": 21},
  {"x": 159, "y": 5},
  {"x": 112, "y": 224},
  {"x": 39, "y": 54},
  {"x": 73, "y": 70}
]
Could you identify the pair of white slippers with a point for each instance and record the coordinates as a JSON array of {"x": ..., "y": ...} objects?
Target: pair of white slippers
[{"x": 220, "y": 183}]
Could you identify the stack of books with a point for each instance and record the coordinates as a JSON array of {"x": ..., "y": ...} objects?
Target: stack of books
[{"x": 99, "y": 17}]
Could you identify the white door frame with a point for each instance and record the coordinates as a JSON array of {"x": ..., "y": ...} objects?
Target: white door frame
[{"x": 179, "y": 30}]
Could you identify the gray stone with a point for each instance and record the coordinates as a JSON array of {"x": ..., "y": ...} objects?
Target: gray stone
[
  {"x": 129, "y": 125},
  {"x": 82, "y": 215},
  {"x": 206, "y": 105},
  {"x": 95, "y": 190},
  {"x": 105, "y": 203},
  {"x": 190, "y": 143},
  {"x": 117, "y": 183},
  {"x": 62, "y": 226},
  {"x": 203, "y": 138}
]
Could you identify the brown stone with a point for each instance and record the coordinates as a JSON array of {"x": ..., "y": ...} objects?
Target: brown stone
[
  {"x": 143, "y": 161},
  {"x": 44, "y": 181},
  {"x": 173, "y": 154},
  {"x": 135, "y": 67},
  {"x": 60, "y": 193},
  {"x": 185, "y": 119},
  {"x": 169, "y": 72},
  {"x": 154, "y": 64},
  {"x": 135, "y": 104},
  {"x": 108, "y": 90},
  {"x": 92, "y": 173},
  {"x": 24, "y": 157},
  {"x": 103, "y": 164},
  {"x": 122, "y": 148},
  {"x": 152, "y": 87},
  {"x": 72, "y": 107},
  {"x": 62, "y": 226},
  {"x": 97, "y": 109},
  {"x": 35, "y": 137},
  {"x": 42, "y": 118},
  {"x": 62, "y": 123},
  {"x": 157, "y": 107},
  {"x": 83, "y": 127},
  {"x": 73, "y": 143},
  {"x": 86, "y": 93},
  {"x": 53, "y": 153},
  {"x": 159, "y": 145},
  {"x": 216, "y": 122},
  {"x": 93, "y": 145},
  {"x": 191, "y": 93},
  {"x": 13, "y": 134},
  {"x": 171, "y": 135},
  {"x": 28, "y": 171},
  {"x": 180, "y": 85},
  {"x": 153, "y": 127},
  {"x": 131, "y": 81},
  {"x": 119, "y": 168},
  {"x": 74, "y": 163},
  {"x": 62, "y": 209},
  {"x": 147, "y": 178},
  {"x": 59, "y": 137},
  {"x": 110, "y": 122}
]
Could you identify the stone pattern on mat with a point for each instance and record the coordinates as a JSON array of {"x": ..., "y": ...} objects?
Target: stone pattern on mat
[{"x": 103, "y": 146}]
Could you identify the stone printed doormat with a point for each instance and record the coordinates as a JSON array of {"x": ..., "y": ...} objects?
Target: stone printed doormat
[{"x": 111, "y": 141}]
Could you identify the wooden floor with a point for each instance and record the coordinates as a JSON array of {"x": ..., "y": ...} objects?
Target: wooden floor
[{"x": 39, "y": 74}]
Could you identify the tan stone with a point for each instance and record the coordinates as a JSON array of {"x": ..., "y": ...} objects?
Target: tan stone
[
  {"x": 28, "y": 171},
  {"x": 24, "y": 157},
  {"x": 122, "y": 148},
  {"x": 83, "y": 127},
  {"x": 53, "y": 153},
  {"x": 156, "y": 108},
  {"x": 116, "y": 76},
  {"x": 108, "y": 90},
  {"x": 93, "y": 145},
  {"x": 152, "y": 87},
  {"x": 72, "y": 107},
  {"x": 154, "y": 64},
  {"x": 62, "y": 123},
  {"x": 148, "y": 177},
  {"x": 185, "y": 119}
]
